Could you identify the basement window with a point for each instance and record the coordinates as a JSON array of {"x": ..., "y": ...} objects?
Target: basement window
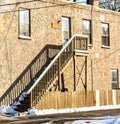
[
  {"x": 24, "y": 24},
  {"x": 114, "y": 78}
]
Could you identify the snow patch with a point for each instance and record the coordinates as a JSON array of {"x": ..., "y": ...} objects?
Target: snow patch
[
  {"x": 34, "y": 112},
  {"x": 8, "y": 111}
]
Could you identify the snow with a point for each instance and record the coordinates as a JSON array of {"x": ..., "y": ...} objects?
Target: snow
[
  {"x": 101, "y": 120},
  {"x": 104, "y": 120},
  {"x": 9, "y": 111},
  {"x": 21, "y": 98},
  {"x": 33, "y": 112},
  {"x": 5, "y": 110}
]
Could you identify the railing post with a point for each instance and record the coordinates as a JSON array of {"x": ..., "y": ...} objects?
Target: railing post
[
  {"x": 86, "y": 73},
  {"x": 31, "y": 99},
  {"x": 74, "y": 44},
  {"x": 74, "y": 72},
  {"x": 59, "y": 79},
  {"x": 73, "y": 48}
]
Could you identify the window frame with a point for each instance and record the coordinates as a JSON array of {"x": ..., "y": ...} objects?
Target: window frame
[
  {"x": 69, "y": 27},
  {"x": 115, "y": 84},
  {"x": 29, "y": 24},
  {"x": 89, "y": 34},
  {"x": 81, "y": 2},
  {"x": 105, "y": 36}
]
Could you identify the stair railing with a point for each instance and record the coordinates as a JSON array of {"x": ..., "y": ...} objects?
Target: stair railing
[
  {"x": 37, "y": 90},
  {"x": 28, "y": 76}
]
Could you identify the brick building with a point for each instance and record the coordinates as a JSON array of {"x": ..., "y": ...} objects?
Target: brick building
[{"x": 27, "y": 27}]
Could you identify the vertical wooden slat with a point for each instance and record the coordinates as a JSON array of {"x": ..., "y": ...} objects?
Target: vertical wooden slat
[
  {"x": 118, "y": 96},
  {"x": 82, "y": 95},
  {"x": 110, "y": 97},
  {"x": 90, "y": 98},
  {"x": 103, "y": 98}
]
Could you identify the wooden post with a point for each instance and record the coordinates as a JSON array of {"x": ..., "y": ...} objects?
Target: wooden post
[
  {"x": 91, "y": 75},
  {"x": 59, "y": 79},
  {"x": 86, "y": 73},
  {"x": 74, "y": 67},
  {"x": 31, "y": 99}
]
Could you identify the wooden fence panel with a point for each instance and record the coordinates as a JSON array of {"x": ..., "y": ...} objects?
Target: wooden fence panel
[
  {"x": 81, "y": 102},
  {"x": 103, "y": 97},
  {"x": 118, "y": 97},
  {"x": 73, "y": 100},
  {"x": 89, "y": 98},
  {"x": 110, "y": 102},
  {"x": 59, "y": 100},
  {"x": 76, "y": 99},
  {"x": 69, "y": 99}
]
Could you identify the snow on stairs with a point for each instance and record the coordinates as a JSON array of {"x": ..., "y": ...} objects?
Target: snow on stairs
[{"x": 23, "y": 103}]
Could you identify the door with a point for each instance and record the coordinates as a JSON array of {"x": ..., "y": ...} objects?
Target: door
[{"x": 66, "y": 32}]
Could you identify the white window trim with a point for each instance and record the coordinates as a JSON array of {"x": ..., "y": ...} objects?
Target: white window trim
[
  {"x": 20, "y": 35},
  {"x": 24, "y": 37},
  {"x": 108, "y": 35},
  {"x": 89, "y": 33},
  {"x": 117, "y": 75},
  {"x": 107, "y": 47}
]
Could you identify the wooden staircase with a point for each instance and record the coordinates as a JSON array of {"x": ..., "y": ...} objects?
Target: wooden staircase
[
  {"x": 36, "y": 89},
  {"x": 24, "y": 104}
]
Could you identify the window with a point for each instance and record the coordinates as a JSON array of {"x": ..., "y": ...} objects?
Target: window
[
  {"x": 66, "y": 29},
  {"x": 82, "y": 1},
  {"x": 105, "y": 35},
  {"x": 79, "y": 1},
  {"x": 114, "y": 78},
  {"x": 86, "y": 29},
  {"x": 24, "y": 23}
]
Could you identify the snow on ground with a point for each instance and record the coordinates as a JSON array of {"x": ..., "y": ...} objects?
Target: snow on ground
[
  {"x": 32, "y": 112},
  {"x": 99, "y": 120},
  {"x": 7, "y": 110},
  {"x": 105, "y": 120}
]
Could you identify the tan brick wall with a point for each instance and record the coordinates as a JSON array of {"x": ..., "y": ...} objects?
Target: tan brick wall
[{"x": 17, "y": 53}]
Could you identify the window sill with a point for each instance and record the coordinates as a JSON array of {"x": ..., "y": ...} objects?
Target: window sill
[
  {"x": 90, "y": 45},
  {"x": 81, "y": 52},
  {"x": 114, "y": 82},
  {"x": 24, "y": 37},
  {"x": 106, "y": 47}
]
